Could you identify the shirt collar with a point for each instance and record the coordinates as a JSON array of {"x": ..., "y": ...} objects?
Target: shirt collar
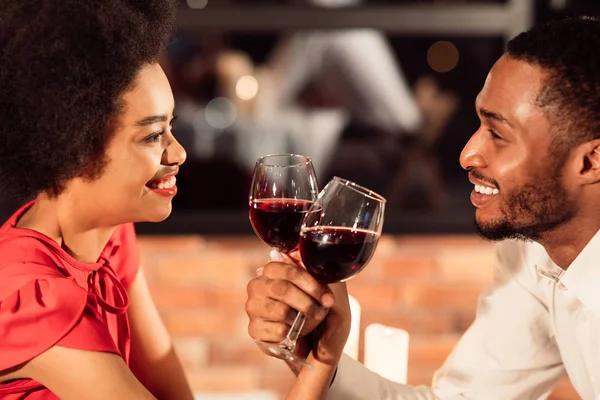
[{"x": 582, "y": 278}]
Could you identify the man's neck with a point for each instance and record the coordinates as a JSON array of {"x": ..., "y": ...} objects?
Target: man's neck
[
  {"x": 566, "y": 242},
  {"x": 69, "y": 224}
]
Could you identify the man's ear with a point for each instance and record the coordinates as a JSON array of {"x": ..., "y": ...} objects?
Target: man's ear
[{"x": 588, "y": 160}]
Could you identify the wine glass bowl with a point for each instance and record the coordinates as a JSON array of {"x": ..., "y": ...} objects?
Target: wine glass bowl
[
  {"x": 284, "y": 187},
  {"x": 340, "y": 233}
]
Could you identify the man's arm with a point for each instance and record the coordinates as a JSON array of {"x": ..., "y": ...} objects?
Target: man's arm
[
  {"x": 283, "y": 287},
  {"x": 506, "y": 354},
  {"x": 153, "y": 359},
  {"x": 353, "y": 381}
]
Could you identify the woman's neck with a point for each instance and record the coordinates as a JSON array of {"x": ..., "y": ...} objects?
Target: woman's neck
[{"x": 70, "y": 224}]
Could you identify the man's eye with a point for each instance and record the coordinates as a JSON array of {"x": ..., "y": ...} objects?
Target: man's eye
[{"x": 494, "y": 135}]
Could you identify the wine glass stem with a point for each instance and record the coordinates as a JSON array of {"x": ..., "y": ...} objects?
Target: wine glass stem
[{"x": 292, "y": 337}]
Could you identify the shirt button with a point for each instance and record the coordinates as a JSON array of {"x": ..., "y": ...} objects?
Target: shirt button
[{"x": 561, "y": 286}]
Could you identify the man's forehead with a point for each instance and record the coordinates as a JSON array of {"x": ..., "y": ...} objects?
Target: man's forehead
[{"x": 511, "y": 81}]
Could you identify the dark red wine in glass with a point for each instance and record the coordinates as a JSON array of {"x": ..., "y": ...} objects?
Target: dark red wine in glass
[
  {"x": 277, "y": 221},
  {"x": 340, "y": 233},
  {"x": 284, "y": 187},
  {"x": 335, "y": 254}
]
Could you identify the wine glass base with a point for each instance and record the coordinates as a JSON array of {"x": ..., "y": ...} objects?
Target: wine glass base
[{"x": 283, "y": 352}]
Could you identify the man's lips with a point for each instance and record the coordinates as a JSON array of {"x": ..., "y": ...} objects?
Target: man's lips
[{"x": 483, "y": 192}]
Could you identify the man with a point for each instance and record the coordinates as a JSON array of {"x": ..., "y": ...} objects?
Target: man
[{"x": 535, "y": 166}]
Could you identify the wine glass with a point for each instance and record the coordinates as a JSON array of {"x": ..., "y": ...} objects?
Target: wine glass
[
  {"x": 340, "y": 233},
  {"x": 338, "y": 237},
  {"x": 284, "y": 188}
]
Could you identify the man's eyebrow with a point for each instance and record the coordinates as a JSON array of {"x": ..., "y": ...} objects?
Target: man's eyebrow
[{"x": 494, "y": 116}]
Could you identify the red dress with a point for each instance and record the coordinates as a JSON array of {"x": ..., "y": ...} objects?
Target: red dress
[{"x": 48, "y": 298}]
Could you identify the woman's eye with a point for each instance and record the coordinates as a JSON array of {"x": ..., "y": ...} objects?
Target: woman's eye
[{"x": 155, "y": 137}]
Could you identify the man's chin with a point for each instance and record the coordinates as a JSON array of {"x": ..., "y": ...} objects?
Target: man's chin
[{"x": 495, "y": 230}]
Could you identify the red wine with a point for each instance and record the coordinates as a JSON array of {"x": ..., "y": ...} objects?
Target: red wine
[
  {"x": 277, "y": 221},
  {"x": 333, "y": 254}
]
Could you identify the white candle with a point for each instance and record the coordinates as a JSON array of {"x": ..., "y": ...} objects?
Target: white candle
[
  {"x": 386, "y": 352},
  {"x": 351, "y": 348}
]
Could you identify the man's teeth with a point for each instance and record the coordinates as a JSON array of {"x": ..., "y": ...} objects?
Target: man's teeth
[
  {"x": 486, "y": 190},
  {"x": 164, "y": 184}
]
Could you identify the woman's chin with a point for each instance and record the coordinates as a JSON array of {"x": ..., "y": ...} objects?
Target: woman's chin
[{"x": 159, "y": 215}]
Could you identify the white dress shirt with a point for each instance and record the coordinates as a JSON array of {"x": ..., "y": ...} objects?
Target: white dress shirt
[{"x": 535, "y": 322}]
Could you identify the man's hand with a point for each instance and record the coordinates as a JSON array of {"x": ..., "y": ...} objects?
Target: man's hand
[{"x": 284, "y": 287}]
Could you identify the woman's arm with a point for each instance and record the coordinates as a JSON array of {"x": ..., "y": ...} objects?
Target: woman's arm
[
  {"x": 73, "y": 374},
  {"x": 153, "y": 359}
]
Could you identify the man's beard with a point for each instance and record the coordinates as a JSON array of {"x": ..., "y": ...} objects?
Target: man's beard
[{"x": 536, "y": 209}]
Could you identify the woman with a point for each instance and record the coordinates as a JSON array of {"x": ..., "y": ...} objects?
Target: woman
[{"x": 86, "y": 116}]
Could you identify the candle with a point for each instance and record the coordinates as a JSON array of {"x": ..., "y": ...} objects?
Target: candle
[
  {"x": 386, "y": 352},
  {"x": 351, "y": 348}
]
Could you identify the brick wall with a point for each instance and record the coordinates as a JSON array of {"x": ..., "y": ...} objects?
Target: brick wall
[{"x": 427, "y": 285}]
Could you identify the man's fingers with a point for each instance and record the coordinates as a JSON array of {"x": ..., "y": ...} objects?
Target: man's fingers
[
  {"x": 267, "y": 331},
  {"x": 271, "y": 299},
  {"x": 290, "y": 258},
  {"x": 270, "y": 310},
  {"x": 301, "y": 279}
]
